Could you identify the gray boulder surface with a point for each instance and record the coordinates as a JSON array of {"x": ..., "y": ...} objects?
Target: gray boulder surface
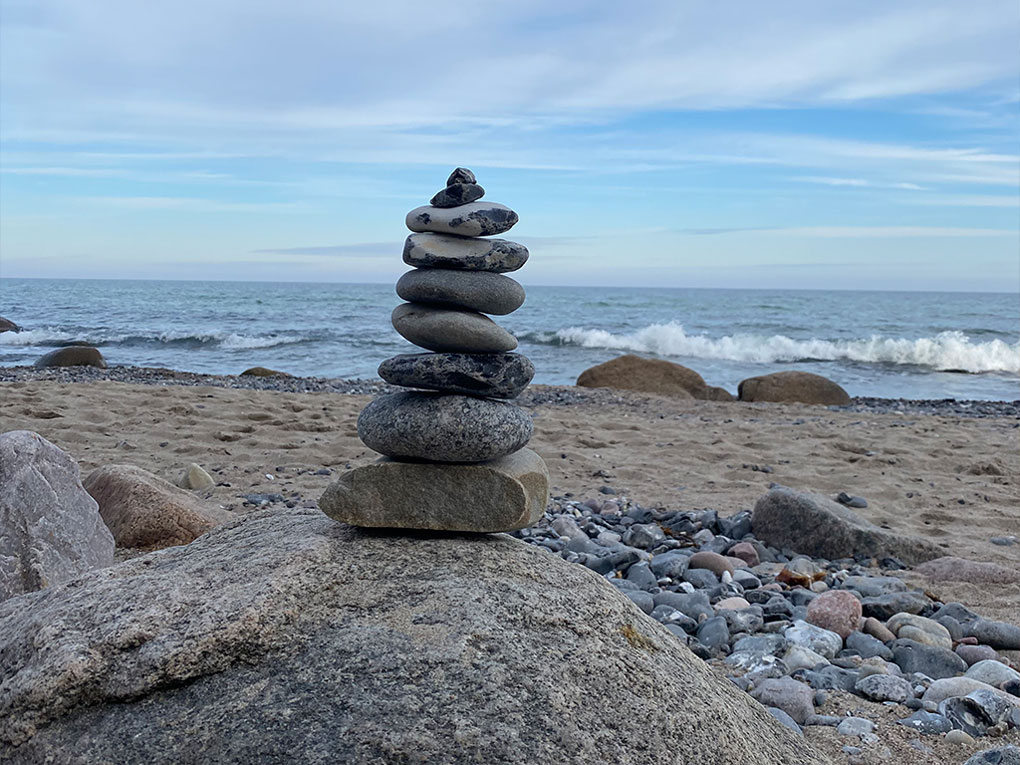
[
  {"x": 50, "y": 528},
  {"x": 472, "y": 219},
  {"x": 450, "y": 330},
  {"x": 481, "y": 291},
  {"x": 494, "y": 375},
  {"x": 456, "y": 252},
  {"x": 501, "y": 495},
  {"x": 814, "y": 525},
  {"x": 287, "y": 637},
  {"x": 441, "y": 427}
]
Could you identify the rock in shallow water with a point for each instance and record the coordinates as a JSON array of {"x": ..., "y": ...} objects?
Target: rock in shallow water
[
  {"x": 443, "y": 428},
  {"x": 73, "y": 356},
  {"x": 494, "y": 375},
  {"x": 481, "y": 291},
  {"x": 447, "y": 330},
  {"x": 472, "y": 219},
  {"x": 501, "y": 495},
  {"x": 291, "y": 616},
  {"x": 458, "y": 253}
]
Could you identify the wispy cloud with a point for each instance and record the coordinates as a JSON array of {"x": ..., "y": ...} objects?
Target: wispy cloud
[{"x": 860, "y": 183}]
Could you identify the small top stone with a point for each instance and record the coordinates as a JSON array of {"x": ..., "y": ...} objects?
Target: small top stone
[{"x": 461, "y": 175}]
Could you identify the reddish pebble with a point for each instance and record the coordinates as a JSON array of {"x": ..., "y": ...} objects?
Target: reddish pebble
[
  {"x": 714, "y": 562},
  {"x": 876, "y": 629},
  {"x": 838, "y": 611},
  {"x": 746, "y": 552}
]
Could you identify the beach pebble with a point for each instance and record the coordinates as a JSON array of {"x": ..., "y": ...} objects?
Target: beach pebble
[
  {"x": 801, "y": 657},
  {"x": 868, "y": 646},
  {"x": 732, "y": 603},
  {"x": 958, "y": 737},
  {"x": 855, "y": 726},
  {"x": 711, "y": 561},
  {"x": 457, "y": 194},
  {"x": 972, "y": 654},
  {"x": 785, "y": 719},
  {"x": 481, "y": 291},
  {"x": 838, "y": 611},
  {"x": 748, "y": 620},
  {"x": 794, "y": 698},
  {"x": 443, "y": 428},
  {"x": 713, "y": 633},
  {"x": 1000, "y": 755},
  {"x": 884, "y": 688},
  {"x": 884, "y": 607},
  {"x": 194, "y": 477},
  {"x": 877, "y": 630},
  {"x": 999, "y": 635},
  {"x": 746, "y": 552},
  {"x": 1003, "y": 541},
  {"x": 926, "y": 722},
  {"x": 992, "y": 672},
  {"x": 493, "y": 375},
  {"x": 644, "y": 536},
  {"x": 471, "y": 220},
  {"x": 701, "y": 578},
  {"x": 920, "y": 630},
  {"x": 641, "y": 599},
  {"x": 671, "y": 564},
  {"x": 850, "y": 501},
  {"x": 448, "y": 330},
  {"x": 932, "y": 661},
  {"x": 821, "y": 641},
  {"x": 946, "y": 687}
]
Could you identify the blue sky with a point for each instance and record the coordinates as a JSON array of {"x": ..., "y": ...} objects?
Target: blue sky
[{"x": 866, "y": 145}]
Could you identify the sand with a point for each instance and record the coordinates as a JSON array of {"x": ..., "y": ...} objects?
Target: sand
[{"x": 954, "y": 480}]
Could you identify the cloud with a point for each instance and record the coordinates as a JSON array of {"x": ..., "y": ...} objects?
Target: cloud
[
  {"x": 859, "y": 183},
  {"x": 364, "y": 250}
]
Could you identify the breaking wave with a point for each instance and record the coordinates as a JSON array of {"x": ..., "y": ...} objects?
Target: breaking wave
[
  {"x": 947, "y": 350},
  {"x": 50, "y": 337}
]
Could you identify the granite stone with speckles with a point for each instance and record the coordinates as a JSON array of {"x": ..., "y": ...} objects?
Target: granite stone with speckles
[
  {"x": 472, "y": 219},
  {"x": 455, "y": 252},
  {"x": 495, "y": 375}
]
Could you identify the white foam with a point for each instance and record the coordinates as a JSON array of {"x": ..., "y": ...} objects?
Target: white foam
[{"x": 947, "y": 350}]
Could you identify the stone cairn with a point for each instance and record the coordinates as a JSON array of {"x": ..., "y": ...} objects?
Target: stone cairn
[{"x": 454, "y": 445}]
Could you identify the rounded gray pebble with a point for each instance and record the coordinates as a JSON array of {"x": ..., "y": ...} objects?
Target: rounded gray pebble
[
  {"x": 447, "y": 330},
  {"x": 481, "y": 291}
]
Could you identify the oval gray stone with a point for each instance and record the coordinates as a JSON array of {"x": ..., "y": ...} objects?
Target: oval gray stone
[
  {"x": 438, "y": 427},
  {"x": 457, "y": 194},
  {"x": 495, "y": 375},
  {"x": 473, "y": 219},
  {"x": 445, "y": 329},
  {"x": 456, "y": 252},
  {"x": 500, "y": 495},
  {"x": 480, "y": 291}
]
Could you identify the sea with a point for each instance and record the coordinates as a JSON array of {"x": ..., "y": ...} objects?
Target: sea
[{"x": 915, "y": 345}]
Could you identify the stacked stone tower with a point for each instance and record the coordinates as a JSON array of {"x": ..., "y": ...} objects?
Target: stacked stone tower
[{"x": 454, "y": 444}]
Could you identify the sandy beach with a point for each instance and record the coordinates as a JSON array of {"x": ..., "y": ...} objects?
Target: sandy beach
[{"x": 950, "y": 479}]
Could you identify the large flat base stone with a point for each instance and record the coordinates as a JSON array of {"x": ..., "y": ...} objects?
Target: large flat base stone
[{"x": 500, "y": 495}]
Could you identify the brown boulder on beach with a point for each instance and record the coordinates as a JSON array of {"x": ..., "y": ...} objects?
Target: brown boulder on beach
[
  {"x": 791, "y": 387},
  {"x": 73, "y": 356},
  {"x": 144, "y": 511},
  {"x": 6, "y": 325},
  {"x": 263, "y": 372},
  {"x": 630, "y": 372}
]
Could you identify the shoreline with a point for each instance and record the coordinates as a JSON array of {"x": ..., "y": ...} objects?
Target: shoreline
[{"x": 535, "y": 394}]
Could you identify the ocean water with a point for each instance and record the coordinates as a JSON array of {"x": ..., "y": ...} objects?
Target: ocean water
[{"x": 910, "y": 344}]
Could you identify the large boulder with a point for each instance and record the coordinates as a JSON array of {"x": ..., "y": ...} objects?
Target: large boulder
[
  {"x": 262, "y": 372},
  {"x": 73, "y": 356},
  {"x": 287, "y": 637},
  {"x": 630, "y": 372},
  {"x": 144, "y": 511},
  {"x": 794, "y": 387},
  {"x": 6, "y": 325},
  {"x": 50, "y": 529},
  {"x": 814, "y": 525}
]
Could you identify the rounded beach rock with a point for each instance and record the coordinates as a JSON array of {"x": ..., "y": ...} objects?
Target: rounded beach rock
[
  {"x": 714, "y": 562},
  {"x": 263, "y": 372},
  {"x": 472, "y": 219},
  {"x": 630, "y": 372},
  {"x": 73, "y": 356},
  {"x": 458, "y": 253},
  {"x": 494, "y": 375},
  {"x": 796, "y": 387},
  {"x": 838, "y": 611},
  {"x": 287, "y": 637},
  {"x": 144, "y": 511},
  {"x": 449, "y": 330},
  {"x": 443, "y": 428},
  {"x": 6, "y": 325},
  {"x": 481, "y": 291},
  {"x": 499, "y": 495}
]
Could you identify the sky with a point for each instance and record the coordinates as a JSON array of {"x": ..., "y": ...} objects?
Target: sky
[{"x": 819, "y": 145}]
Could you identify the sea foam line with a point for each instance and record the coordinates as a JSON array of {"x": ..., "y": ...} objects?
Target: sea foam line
[{"x": 947, "y": 350}]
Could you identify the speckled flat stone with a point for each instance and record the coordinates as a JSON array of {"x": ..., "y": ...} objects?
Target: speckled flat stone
[
  {"x": 480, "y": 291},
  {"x": 494, "y": 375},
  {"x": 456, "y": 252},
  {"x": 473, "y": 219},
  {"x": 439, "y": 427}
]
